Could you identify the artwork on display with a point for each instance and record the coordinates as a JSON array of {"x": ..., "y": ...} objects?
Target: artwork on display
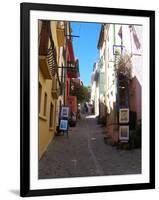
[
  {"x": 124, "y": 133},
  {"x": 64, "y": 112},
  {"x": 63, "y": 125},
  {"x": 124, "y": 115}
]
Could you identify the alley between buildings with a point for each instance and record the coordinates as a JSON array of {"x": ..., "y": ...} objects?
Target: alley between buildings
[{"x": 84, "y": 153}]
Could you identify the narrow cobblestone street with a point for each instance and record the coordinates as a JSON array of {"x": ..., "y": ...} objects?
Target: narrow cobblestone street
[{"x": 84, "y": 153}]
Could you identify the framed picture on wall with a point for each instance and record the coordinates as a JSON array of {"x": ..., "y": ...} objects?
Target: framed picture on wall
[
  {"x": 124, "y": 115},
  {"x": 124, "y": 133},
  {"x": 103, "y": 59}
]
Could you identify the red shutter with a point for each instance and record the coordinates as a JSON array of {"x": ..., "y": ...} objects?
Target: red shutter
[{"x": 44, "y": 38}]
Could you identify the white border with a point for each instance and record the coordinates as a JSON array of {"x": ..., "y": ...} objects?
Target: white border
[{"x": 92, "y": 181}]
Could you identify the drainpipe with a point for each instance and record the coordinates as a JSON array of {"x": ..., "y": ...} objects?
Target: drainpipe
[
  {"x": 65, "y": 64},
  {"x": 116, "y": 78},
  {"x": 122, "y": 40}
]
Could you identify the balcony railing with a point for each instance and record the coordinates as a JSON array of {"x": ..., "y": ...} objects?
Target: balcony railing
[
  {"x": 51, "y": 59},
  {"x": 48, "y": 63}
]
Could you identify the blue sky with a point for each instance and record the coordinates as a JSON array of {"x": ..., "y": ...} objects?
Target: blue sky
[{"x": 85, "y": 47}]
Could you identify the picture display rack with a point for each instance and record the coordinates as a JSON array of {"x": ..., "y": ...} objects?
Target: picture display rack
[{"x": 64, "y": 115}]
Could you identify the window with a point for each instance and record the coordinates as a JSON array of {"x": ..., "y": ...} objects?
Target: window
[
  {"x": 40, "y": 90},
  {"x": 51, "y": 116},
  {"x": 45, "y": 104}
]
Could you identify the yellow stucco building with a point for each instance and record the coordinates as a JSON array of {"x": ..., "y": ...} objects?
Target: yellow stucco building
[{"x": 51, "y": 46}]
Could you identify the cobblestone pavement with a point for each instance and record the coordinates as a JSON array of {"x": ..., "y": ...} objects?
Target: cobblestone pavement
[{"x": 84, "y": 153}]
